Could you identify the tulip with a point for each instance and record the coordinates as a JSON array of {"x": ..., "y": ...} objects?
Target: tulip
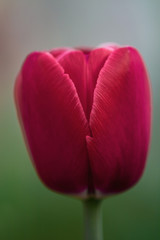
[{"x": 86, "y": 117}]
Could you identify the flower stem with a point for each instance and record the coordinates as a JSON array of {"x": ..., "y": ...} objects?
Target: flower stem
[{"x": 93, "y": 219}]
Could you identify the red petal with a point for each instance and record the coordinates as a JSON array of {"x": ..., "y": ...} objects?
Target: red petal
[
  {"x": 54, "y": 123},
  {"x": 75, "y": 65},
  {"x": 120, "y": 122},
  {"x": 57, "y": 52},
  {"x": 96, "y": 61}
]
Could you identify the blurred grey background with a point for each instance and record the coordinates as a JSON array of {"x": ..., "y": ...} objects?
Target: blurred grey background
[{"x": 27, "y": 209}]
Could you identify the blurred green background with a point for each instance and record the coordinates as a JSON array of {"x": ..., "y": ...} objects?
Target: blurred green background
[{"x": 28, "y": 210}]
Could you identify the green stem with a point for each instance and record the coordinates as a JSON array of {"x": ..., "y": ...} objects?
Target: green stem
[{"x": 93, "y": 219}]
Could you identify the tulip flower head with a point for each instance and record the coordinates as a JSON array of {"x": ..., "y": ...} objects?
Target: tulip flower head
[{"x": 86, "y": 116}]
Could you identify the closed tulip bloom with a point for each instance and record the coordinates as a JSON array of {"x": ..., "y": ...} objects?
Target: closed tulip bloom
[{"x": 86, "y": 116}]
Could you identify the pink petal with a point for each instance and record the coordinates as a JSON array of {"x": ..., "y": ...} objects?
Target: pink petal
[
  {"x": 120, "y": 122},
  {"x": 109, "y": 46},
  {"x": 54, "y": 123}
]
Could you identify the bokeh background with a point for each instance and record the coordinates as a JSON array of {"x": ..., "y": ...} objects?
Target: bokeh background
[{"x": 28, "y": 210}]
